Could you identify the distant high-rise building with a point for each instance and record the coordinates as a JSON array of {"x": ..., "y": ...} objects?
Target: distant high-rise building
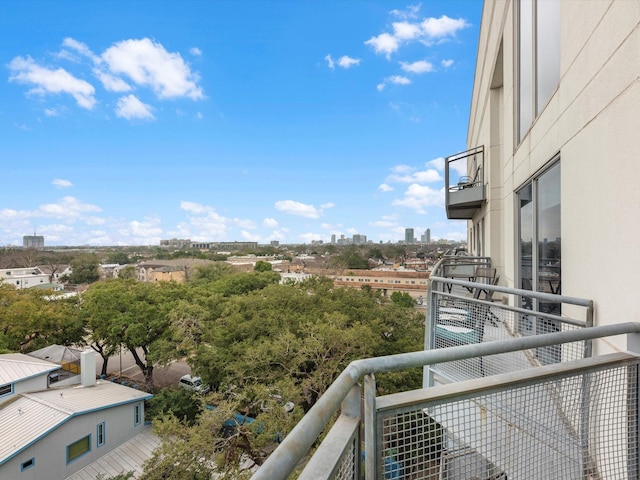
[
  {"x": 408, "y": 236},
  {"x": 359, "y": 239},
  {"x": 427, "y": 235},
  {"x": 33, "y": 241},
  {"x": 333, "y": 239}
]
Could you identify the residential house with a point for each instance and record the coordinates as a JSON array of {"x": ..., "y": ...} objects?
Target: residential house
[
  {"x": 23, "y": 277},
  {"x": 50, "y": 433}
]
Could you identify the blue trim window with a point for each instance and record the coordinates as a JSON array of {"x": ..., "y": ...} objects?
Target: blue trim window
[
  {"x": 137, "y": 414},
  {"x": 28, "y": 464},
  {"x": 78, "y": 448},
  {"x": 6, "y": 389},
  {"x": 101, "y": 436}
]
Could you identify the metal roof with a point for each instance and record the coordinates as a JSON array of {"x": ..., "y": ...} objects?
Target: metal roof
[
  {"x": 44, "y": 411},
  {"x": 15, "y": 367},
  {"x": 128, "y": 457}
]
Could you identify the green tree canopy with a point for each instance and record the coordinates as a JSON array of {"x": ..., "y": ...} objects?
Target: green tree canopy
[{"x": 84, "y": 269}]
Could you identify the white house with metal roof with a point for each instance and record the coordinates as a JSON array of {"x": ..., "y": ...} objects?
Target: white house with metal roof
[{"x": 51, "y": 433}]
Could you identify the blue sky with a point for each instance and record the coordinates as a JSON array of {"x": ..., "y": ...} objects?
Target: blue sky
[{"x": 127, "y": 122}]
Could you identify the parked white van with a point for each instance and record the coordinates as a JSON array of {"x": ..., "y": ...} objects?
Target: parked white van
[{"x": 194, "y": 384}]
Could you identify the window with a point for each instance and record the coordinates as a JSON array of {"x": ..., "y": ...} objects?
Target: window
[
  {"x": 538, "y": 58},
  {"x": 540, "y": 251},
  {"x": 100, "y": 435},
  {"x": 28, "y": 464},
  {"x": 79, "y": 448},
  {"x": 137, "y": 414},
  {"x": 6, "y": 389}
]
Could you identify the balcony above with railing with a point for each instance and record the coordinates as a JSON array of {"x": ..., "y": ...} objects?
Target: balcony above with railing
[{"x": 464, "y": 183}]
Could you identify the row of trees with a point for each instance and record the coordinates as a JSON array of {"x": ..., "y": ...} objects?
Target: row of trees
[{"x": 260, "y": 345}]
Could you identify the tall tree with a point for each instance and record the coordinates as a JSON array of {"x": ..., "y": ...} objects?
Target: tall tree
[{"x": 84, "y": 269}]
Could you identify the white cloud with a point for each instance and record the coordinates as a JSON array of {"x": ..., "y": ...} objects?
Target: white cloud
[
  {"x": 446, "y": 63},
  {"x": 443, "y": 26},
  {"x": 195, "y": 208},
  {"x": 81, "y": 48},
  {"x": 67, "y": 208},
  {"x": 398, "y": 80},
  {"x": 111, "y": 82},
  {"x": 418, "y": 197},
  {"x": 421, "y": 66},
  {"x": 410, "y": 12},
  {"x": 324, "y": 206},
  {"x": 406, "y": 30},
  {"x": 250, "y": 237},
  {"x": 427, "y": 31},
  {"x": 384, "y": 43},
  {"x": 330, "y": 63},
  {"x": 385, "y": 188},
  {"x": 149, "y": 228},
  {"x": 130, "y": 107},
  {"x": 46, "y": 80},
  {"x": 60, "y": 183},
  {"x": 395, "y": 80},
  {"x": 95, "y": 221},
  {"x": 296, "y": 208},
  {"x": 437, "y": 163},
  {"x": 204, "y": 223},
  {"x": 147, "y": 63},
  {"x": 245, "y": 223},
  {"x": 270, "y": 222},
  {"x": 51, "y": 112},
  {"x": 427, "y": 176},
  {"x": 348, "y": 62},
  {"x": 195, "y": 51}
]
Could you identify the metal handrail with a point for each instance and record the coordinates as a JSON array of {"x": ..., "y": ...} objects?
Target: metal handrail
[{"x": 295, "y": 445}]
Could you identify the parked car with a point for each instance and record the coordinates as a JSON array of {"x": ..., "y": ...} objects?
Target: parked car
[{"x": 193, "y": 384}]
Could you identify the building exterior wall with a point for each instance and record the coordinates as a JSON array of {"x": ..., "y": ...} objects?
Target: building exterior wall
[
  {"x": 50, "y": 452},
  {"x": 413, "y": 283},
  {"x": 591, "y": 120}
]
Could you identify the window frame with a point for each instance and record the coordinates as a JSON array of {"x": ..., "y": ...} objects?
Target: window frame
[
  {"x": 10, "y": 385},
  {"x": 31, "y": 462},
  {"x": 535, "y": 108},
  {"x": 86, "y": 438},
  {"x": 137, "y": 414},
  {"x": 101, "y": 433}
]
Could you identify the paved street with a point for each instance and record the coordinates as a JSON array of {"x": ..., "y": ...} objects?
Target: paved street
[{"x": 125, "y": 366}]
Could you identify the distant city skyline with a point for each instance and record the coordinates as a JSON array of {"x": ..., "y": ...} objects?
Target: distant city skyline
[{"x": 132, "y": 122}]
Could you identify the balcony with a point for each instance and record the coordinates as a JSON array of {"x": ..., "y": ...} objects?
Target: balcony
[
  {"x": 508, "y": 393},
  {"x": 464, "y": 196}
]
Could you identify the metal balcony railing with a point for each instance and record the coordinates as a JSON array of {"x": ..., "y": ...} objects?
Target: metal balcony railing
[
  {"x": 464, "y": 195},
  {"x": 576, "y": 419}
]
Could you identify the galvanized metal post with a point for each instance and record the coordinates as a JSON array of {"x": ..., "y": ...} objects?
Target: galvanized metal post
[
  {"x": 352, "y": 406},
  {"x": 429, "y": 331},
  {"x": 633, "y": 411},
  {"x": 370, "y": 447}
]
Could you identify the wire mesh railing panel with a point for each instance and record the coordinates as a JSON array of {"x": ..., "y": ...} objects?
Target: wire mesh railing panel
[
  {"x": 458, "y": 320},
  {"x": 582, "y": 426},
  {"x": 347, "y": 466}
]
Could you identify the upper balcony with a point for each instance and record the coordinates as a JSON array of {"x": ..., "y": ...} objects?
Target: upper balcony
[
  {"x": 508, "y": 393},
  {"x": 465, "y": 194}
]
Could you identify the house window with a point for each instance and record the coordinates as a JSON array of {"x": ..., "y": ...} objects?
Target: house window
[
  {"x": 79, "y": 448},
  {"x": 538, "y": 58},
  {"x": 137, "y": 414},
  {"x": 6, "y": 389},
  {"x": 28, "y": 464},
  {"x": 100, "y": 435}
]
